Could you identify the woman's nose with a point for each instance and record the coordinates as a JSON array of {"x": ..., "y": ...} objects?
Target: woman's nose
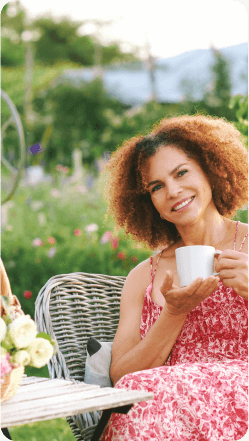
[{"x": 173, "y": 189}]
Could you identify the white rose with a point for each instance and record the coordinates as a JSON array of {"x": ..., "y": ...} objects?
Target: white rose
[
  {"x": 3, "y": 328},
  {"x": 22, "y": 331},
  {"x": 40, "y": 351},
  {"x": 22, "y": 358}
]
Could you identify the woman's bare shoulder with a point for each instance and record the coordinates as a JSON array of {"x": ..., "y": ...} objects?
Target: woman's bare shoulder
[{"x": 141, "y": 273}]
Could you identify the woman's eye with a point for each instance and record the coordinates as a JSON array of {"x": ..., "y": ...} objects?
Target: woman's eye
[
  {"x": 181, "y": 173},
  {"x": 155, "y": 188}
]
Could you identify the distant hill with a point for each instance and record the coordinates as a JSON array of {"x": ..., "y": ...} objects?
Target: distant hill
[{"x": 188, "y": 73}]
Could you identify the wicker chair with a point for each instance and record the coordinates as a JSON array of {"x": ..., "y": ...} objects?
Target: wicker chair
[{"x": 72, "y": 308}]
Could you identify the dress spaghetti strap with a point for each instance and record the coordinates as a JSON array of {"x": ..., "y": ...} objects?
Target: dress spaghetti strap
[{"x": 243, "y": 241}]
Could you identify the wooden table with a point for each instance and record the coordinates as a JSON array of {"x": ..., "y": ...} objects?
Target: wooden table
[{"x": 39, "y": 399}]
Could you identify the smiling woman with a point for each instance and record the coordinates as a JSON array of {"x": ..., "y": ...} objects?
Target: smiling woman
[
  {"x": 179, "y": 187},
  {"x": 213, "y": 143}
]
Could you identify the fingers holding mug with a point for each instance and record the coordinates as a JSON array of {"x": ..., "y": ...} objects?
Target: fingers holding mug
[{"x": 216, "y": 253}]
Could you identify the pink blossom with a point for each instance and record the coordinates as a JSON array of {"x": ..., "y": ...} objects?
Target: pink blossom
[
  {"x": 27, "y": 294},
  {"x": 37, "y": 242},
  {"x": 114, "y": 243},
  {"x": 62, "y": 169},
  {"x": 5, "y": 365},
  {"x": 51, "y": 240},
  {"x": 121, "y": 255},
  {"x": 55, "y": 193},
  {"x": 134, "y": 259},
  {"x": 107, "y": 236},
  {"x": 77, "y": 232}
]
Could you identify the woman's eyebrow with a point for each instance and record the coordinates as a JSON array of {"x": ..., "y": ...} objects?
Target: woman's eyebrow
[{"x": 171, "y": 173}]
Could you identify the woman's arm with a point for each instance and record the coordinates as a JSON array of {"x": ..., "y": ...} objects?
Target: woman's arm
[{"x": 129, "y": 352}]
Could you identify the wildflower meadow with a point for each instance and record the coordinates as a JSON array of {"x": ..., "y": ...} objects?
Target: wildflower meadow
[{"x": 56, "y": 229}]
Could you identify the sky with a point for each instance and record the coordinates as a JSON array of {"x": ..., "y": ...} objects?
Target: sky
[{"x": 167, "y": 27}]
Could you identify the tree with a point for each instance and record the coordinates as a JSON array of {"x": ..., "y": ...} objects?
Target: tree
[
  {"x": 113, "y": 54},
  {"x": 13, "y": 22},
  {"x": 55, "y": 39},
  {"x": 78, "y": 119},
  {"x": 82, "y": 51},
  {"x": 60, "y": 41},
  {"x": 217, "y": 100},
  {"x": 12, "y": 53}
]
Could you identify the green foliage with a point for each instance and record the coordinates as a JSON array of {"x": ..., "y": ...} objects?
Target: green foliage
[
  {"x": 38, "y": 214},
  {"x": 112, "y": 54},
  {"x": 55, "y": 39},
  {"x": 13, "y": 82},
  {"x": 239, "y": 104},
  {"x": 79, "y": 119},
  {"x": 60, "y": 41},
  {"x": 82, "y": 51},
  {"x": 12, "y": 54}
]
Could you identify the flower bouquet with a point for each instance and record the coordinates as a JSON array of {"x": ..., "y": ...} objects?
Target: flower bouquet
[{"x": 21, "y": 345}]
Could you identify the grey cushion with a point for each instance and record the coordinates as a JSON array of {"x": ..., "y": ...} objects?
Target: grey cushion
[{"x": 98, "y": 363}]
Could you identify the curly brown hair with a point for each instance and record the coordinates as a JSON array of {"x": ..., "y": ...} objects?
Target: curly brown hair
[{"x": 213, "y": 142}]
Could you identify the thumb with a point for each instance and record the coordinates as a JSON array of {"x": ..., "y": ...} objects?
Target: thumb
[{"x": 167, "y": 283}]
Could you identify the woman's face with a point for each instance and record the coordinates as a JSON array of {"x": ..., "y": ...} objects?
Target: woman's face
[{"x": 179, "y": 189}]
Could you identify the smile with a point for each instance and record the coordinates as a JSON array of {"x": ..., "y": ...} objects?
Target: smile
[{"x": 183, "y": 204}]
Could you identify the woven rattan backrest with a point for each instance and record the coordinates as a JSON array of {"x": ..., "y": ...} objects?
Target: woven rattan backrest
[{"x": 72, "y": 308}]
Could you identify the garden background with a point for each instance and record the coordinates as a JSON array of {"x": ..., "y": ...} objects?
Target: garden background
[{"x": 56, "y": 220}]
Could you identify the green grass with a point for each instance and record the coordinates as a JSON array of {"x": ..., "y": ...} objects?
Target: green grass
[{"x": 51, "y": 430}]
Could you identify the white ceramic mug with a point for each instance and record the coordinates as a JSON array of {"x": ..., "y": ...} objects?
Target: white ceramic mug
[{"x": 195, "y": 261}]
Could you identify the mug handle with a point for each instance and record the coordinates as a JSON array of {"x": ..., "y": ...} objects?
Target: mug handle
[{"x": 216, "y": 252}]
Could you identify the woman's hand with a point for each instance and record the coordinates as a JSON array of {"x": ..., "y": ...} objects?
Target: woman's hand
[
  {"x": 183, "y": 300},
  {"x": 233, "y": 269}
]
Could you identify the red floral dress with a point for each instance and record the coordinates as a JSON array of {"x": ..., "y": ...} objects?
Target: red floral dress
[{"x": 200, "y": 394}]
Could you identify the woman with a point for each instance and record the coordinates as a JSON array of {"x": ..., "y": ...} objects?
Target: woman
[{"x": 176, "y": 187}]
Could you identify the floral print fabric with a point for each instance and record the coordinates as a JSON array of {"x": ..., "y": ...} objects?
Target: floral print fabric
[{"x": 200, "y": 394}]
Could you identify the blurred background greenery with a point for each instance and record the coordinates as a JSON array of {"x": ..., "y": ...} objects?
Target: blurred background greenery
[{"x": 56, "y": 221}]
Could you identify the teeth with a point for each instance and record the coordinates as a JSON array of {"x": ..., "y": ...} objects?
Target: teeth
[{"x": 183, "y": 204}]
